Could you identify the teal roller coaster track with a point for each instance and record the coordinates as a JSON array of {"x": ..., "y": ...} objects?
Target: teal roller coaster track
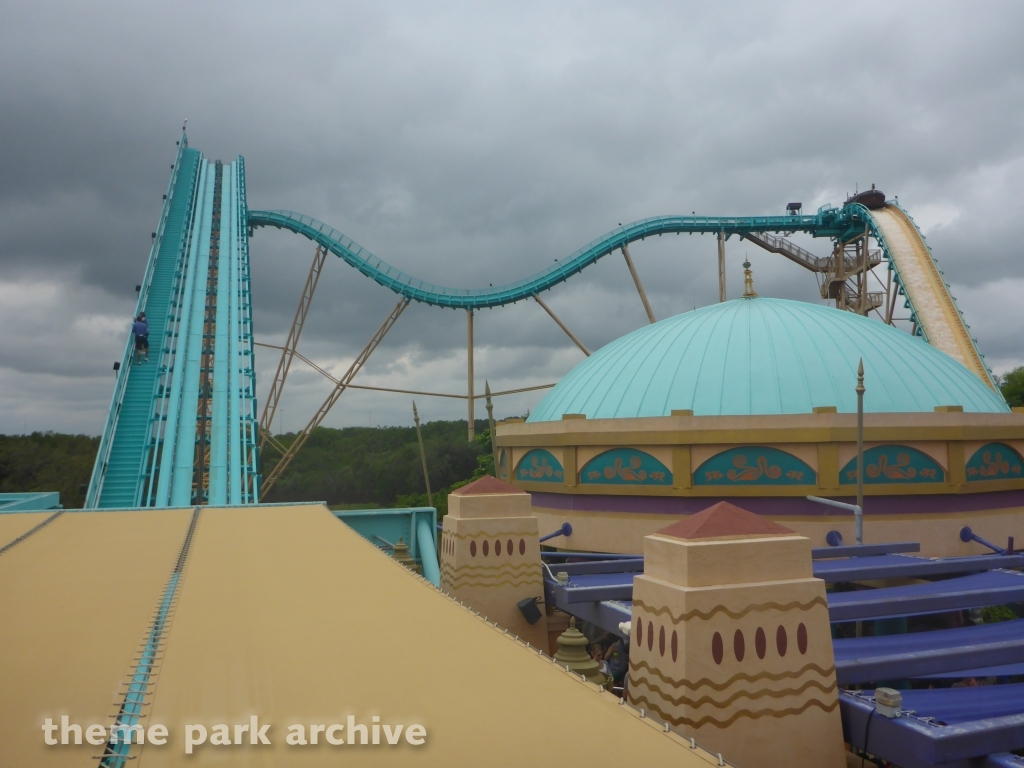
[{"x": 829, "y": 222}]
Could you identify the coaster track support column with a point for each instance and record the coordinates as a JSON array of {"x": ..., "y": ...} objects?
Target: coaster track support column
[
  {"x": 470, "y": 419},
  {"x": 274, "y": 396},
  {"x": 639, "y": 286},
  {"x": 340, "y": 387},
  {"x": 721, "y": 266}
]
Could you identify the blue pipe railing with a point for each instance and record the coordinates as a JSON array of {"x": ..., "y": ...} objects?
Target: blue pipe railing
[
  {"x": 565, "y": 530},
  {"x": 966, "y": 535},
  {"x": 428, "y": 552}
]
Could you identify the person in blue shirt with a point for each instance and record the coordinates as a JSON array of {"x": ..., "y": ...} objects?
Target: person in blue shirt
[{"x": 141, "y": 330}]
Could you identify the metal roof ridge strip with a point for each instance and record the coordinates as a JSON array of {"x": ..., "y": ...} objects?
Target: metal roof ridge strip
[
  {"x": 143, "y": 677},
  {"x": 30, "y": 531}
]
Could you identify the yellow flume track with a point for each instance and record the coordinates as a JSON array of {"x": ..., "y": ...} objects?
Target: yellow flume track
[{"x": 933, "y": 305}]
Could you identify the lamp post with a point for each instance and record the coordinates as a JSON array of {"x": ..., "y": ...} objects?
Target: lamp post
[
  {"x": 860, "y": 451},
  {"x": 423, "y": 454},
  {"x": 858, "y": 508},
  {"x": 490, "y": 426}
]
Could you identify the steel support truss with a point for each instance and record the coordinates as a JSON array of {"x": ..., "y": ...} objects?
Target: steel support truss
[
  {"x": 288, "y": 352},
  {"x": 340, "y": 387}
]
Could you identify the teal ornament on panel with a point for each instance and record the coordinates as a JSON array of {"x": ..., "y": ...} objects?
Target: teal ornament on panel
[
  {"x": 754, "y": 465},
  {"x": 539, "y": 466},
  {"x": 894, "y": 464},
  {"x": 625, "y": 466},
  {"x": 995, "y": 461}
]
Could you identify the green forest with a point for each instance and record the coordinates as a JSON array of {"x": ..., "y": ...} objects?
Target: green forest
[
  {"x": 351, "y": 467},
  {"x": 48, "y": 462},
  {"x": 380, "y": 466}
]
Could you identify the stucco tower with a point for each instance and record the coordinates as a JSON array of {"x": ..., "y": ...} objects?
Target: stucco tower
[
  {"x": 490, "y": 555},
  {"x": 731, "y": 642}
]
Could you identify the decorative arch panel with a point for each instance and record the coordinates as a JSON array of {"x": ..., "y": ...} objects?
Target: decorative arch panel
[
  {"x": 894, "y": 464},
  {"x": 754, "y": 465},
  {"x": 539, "y": 466},
  {"x": 995, "y": 461},
  {"x": 625, "y": 466}
]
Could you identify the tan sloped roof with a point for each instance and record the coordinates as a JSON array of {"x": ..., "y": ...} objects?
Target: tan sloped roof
[
  {"x": 76, "y": 598},
  {"x": 286, "y": 614}
]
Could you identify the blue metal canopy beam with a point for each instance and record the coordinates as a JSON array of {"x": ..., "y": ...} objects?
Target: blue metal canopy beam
[
  {"x": 592, "y": 583},
  {"x": 975, "y": 591},
  {"x": 631, "y": 566},
  {"x": 912, "y": 741},
  {"x": 590, "y": 588},
  {"x": 607, "y": 614},
  {"x": 902, "y": 566},
  {"x": 864, "y": 550},
  {"x": 613, "y": 580},
  {"x": 898, "y": 657}
]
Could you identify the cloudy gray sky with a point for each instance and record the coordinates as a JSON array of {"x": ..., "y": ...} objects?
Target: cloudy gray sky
[{"x": 471, "y": 143}]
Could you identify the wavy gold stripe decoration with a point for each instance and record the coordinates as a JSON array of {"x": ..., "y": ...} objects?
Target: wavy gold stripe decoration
[
  {"x": 708, "y": 700},
  {"x": 704, "y": 616},
  {"x": 747, "y": 713},
  {"x": 511, "y": 581},
  {"x": 511, "y": 567},
  {"x": 488, "y": 577},
  {"x": 705, "y": 682},
  {"x": 453, "y": 573}
]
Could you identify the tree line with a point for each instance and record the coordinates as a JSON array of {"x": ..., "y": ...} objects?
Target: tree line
[{"x": 380, "y": 466}]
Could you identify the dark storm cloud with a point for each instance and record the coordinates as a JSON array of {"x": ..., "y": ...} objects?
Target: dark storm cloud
[{"x": 475, "y": 143}]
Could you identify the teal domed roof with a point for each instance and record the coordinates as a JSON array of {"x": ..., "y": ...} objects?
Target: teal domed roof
[{"x": 764, "y": 356}]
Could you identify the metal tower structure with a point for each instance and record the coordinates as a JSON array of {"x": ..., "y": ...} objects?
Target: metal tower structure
[{"x": 182, "y": 427}]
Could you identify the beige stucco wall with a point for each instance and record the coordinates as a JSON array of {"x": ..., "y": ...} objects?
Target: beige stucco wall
[{"x": 938, "y": 533}]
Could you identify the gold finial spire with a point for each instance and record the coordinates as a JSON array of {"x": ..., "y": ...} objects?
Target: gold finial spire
[{"x": 748, "y": 282}]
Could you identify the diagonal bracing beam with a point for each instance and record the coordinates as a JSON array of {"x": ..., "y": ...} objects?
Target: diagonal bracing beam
[
  {"x": 562, "y": 325},
  {"x": 277, "y": 387},
  {"x": 340, "y": 387},
  {"x": 276, "y": 445},
  {"x": 639, "y": 286}
]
